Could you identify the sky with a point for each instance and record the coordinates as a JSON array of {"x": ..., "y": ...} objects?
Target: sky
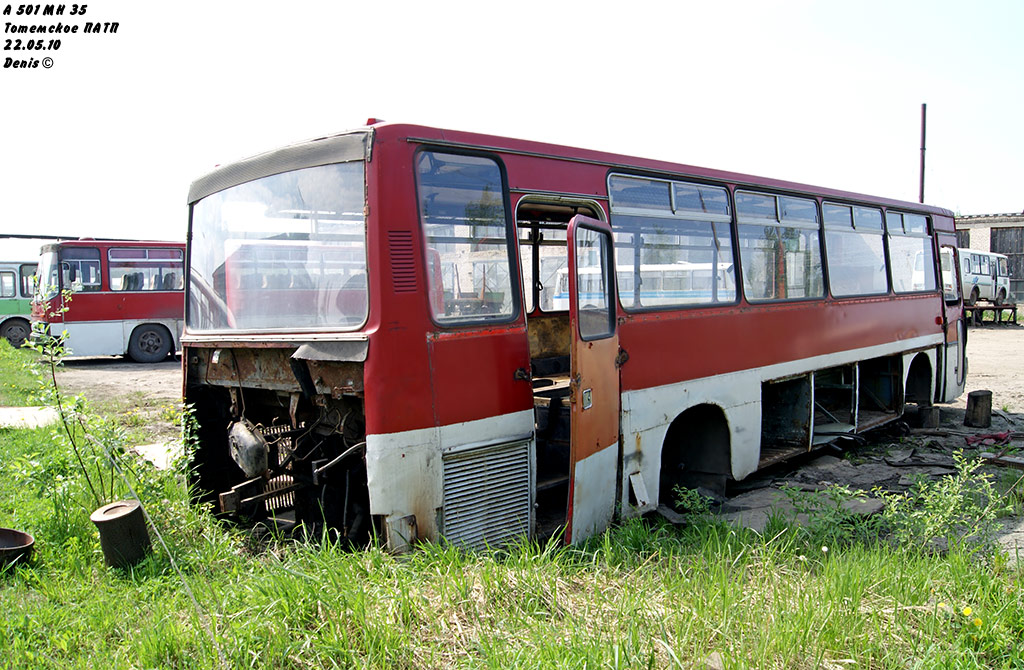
[{"x": 106, "y": 141}]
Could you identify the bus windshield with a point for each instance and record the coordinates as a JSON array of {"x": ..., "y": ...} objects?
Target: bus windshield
[
  {"x": 284, "y": 252},
  {"x": 47, "y": 284}
]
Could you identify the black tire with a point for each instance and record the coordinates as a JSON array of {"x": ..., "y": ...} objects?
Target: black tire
[
  {"x": 1001, "y": 298},
  {"x": 150, "y": 344},
  {"x": 973, "y": 298},
  {"x": 16, "y": 331}
]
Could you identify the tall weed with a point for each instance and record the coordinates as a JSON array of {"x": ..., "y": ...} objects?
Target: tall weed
[
  {"x": 826, "y": 517},
  {"x": 959, "y": 511}
]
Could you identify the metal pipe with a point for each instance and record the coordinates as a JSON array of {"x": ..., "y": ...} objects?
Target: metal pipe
[
  {"x": 323, "y": 468},
  {"x": 924, "y": 112}
]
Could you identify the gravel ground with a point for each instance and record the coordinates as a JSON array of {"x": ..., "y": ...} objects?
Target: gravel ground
[{"x": 119, "y": 385}]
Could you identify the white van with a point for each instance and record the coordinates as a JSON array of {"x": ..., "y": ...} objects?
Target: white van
[{"x": 984, "y": 276}]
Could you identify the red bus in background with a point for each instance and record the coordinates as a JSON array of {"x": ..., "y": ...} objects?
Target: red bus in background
[
  {"x": 429, "y": 334},
  {"x": 126, "y": 297}
]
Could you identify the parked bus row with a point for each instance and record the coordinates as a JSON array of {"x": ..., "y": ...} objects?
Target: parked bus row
[
  {"x": 112, "y": 297},
  {"x": 429, "y": 334}
]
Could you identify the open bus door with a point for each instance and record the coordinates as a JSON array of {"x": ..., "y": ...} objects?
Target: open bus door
[
  {"x": 594, "y": 379},
  {"x": 954, "y": 380}
]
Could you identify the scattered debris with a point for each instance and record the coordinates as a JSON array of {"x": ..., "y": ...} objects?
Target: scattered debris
[
  {"x": 890, "y": 463},
  {"x": 27, "y": 417},
  {"x": 1012, "y": 540},
  {"x": 1003, "y": 415},
  {"x": 1001, "y": 459},
  {"x": 898, "y": 456},
  {"x": 671, "y": 515},
  {"x": 161, "y": 454},
  {"x": 714, "y": 662},
  {"x": 989, "y": 439}
]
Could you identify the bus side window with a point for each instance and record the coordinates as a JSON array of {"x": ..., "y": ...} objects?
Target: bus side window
[
  {"x": 779, "y": 247},
  {"x": 7, "y": 285},
  {"x": 463, "y": 216},
  {"x": 908, "y": 238},
  {"x": 81, "y": 268},
  {"x": 673, "y": 243},
  {"x": 28, "y": 275}
]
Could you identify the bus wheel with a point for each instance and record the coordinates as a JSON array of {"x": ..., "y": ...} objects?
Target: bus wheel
[
  {"x": 1001, "y": 298},
  {"x": 149, "y": 344},
  {"x": 15, "y": 331},
  {"x": 973, "y": 298}
]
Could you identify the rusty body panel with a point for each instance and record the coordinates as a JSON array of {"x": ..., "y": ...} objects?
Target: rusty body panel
[
  {"x": 337, "y": 379},
  {"x": 262, "y": 368},
  {"x": 549, "y": 335},
  {"x": 594, "y": 396},
  {"x": 270, "y": 369}
]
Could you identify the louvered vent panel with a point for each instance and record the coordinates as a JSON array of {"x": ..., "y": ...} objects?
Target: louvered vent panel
[
  {"x": 403, "y": 262},
  {"x": 487, "y": 499}
]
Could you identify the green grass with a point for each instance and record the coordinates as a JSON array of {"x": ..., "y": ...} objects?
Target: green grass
[
  {"x": 19, "y": 387},
  {"x": 643, "y": 595}
]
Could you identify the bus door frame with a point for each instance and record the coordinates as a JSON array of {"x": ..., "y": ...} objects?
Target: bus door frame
[
  {"x": 954, "y": 352},
  {"x": 594, "y": 389}
]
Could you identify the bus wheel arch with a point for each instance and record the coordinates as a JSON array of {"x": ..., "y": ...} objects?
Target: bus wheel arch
[
  {"x": 697, "y": 453},
  {"x": 150, "y": 343},
  {"x": 918, "y": 387},
  {"x": 16, "y": 331}
]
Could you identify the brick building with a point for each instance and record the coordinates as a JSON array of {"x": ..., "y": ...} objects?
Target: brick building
[{"x": 1001, "y": 233}]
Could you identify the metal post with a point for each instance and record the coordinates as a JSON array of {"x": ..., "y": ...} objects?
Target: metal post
[{"x": 924, "y": 110}]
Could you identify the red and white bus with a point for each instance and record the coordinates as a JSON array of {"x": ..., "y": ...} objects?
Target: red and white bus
[
  {"x": 377, "y": 339},
  {"x": 112, "y": 297}
]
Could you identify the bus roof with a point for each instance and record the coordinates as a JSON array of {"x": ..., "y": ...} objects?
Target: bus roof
[
  {"x": 318, "y": 152},
  {"x": 85, "y": 242}
]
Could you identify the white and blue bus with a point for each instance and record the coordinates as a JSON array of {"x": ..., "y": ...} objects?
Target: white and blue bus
[{"x": 984, "y": 276}]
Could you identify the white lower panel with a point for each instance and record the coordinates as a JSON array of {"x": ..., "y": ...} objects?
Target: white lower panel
[
  {"x": 908, "y": 360},
  {"x": 96, "y": 338},
  {"x": 648, "y": 413},
  {"x": 593, "y": 493},
  {"x": 109, "y": 338},
  {"x": 405, "y": 471},
  {"x": 956, "y": 372}
]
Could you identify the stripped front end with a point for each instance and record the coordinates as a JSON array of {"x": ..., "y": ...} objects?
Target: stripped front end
[{"x": 274, "y": 344}]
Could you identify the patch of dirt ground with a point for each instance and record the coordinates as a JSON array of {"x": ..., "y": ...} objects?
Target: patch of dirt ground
[
  {"x": 146, "y": 394},
  {"x": 995, "y": 363}
]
